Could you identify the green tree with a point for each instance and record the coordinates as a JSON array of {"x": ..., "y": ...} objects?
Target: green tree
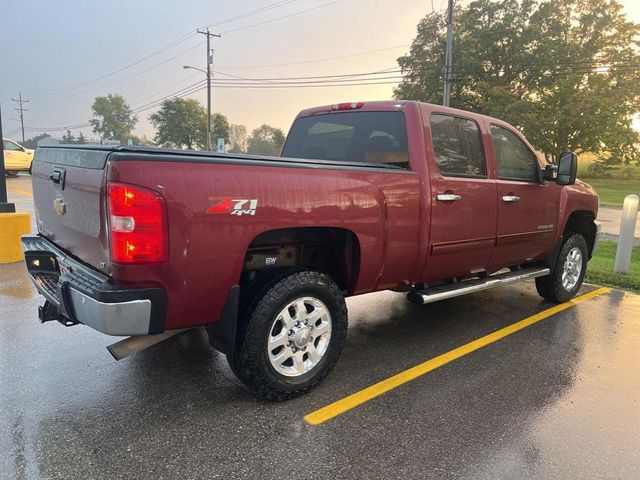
[
  {"x": 81, "y": 140},
  {"x": 237, "y": 138},
  {"x": 265, "y": 140},
  {"x": 141, "y": 140},
  {"x": 114, "y": 119},
  {"x": 68, "y": 138},
  {"x": 180, "y": 123},
  {"x": 219, "y": 128},
  {"x": 558, "y": 70},
  {"x": 33, "y": 141}
]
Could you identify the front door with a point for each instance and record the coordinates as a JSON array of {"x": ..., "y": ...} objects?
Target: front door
[
  {"x": 463, "y": 207},
  {"x": 527, "y": 208}
]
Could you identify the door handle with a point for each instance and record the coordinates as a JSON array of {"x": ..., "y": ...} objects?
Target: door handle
[
  {"x": 510, "y": 198},
  {"x": 58, "y": 176},
  {"x": 448, "y": 197}
]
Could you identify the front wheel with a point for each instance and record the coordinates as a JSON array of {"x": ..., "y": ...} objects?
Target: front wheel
[
  {"x": 292, "y": 332},
  {"x": 563, "y": 284}
]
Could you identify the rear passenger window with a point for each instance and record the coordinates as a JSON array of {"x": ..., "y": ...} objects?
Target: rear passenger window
[
  {"x": 457, "y": 145},
  {"x": 514, "y": 160}
]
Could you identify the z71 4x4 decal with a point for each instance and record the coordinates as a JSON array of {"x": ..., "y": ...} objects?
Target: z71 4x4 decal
[{"x": 234, "y": 206}]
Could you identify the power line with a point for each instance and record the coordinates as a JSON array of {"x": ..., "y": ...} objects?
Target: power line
[
  {"x": 161, "y": 50},
  {"x": 282, "y": 17},
  {"x": 318, "y": 60},
  {"x": 169, "y": 87},
  {"x": 308, "y": 86},
  {"x": 359, "y": 74},
  {"x": 306, "y": 82},
  {"x": 266, "y": 8},
  {"x": 167, "y": 47},
  {"x": 184, "y": 91},
  {"x": 20, "y": 101},
  {"x": 51, "y": 98}
]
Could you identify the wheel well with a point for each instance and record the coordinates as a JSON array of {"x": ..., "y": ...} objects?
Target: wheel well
[
  {"x": 583, "y": 222},
  {"x": 334, "y": 251}
]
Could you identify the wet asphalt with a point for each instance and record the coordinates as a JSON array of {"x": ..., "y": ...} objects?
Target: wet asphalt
[{"x": 559, "y": 399}]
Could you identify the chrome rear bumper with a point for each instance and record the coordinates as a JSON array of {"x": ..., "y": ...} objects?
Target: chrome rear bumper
[{"x": 76, "y": 293}]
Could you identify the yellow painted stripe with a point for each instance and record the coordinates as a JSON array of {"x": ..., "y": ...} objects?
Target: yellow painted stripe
[{"x": 344, "y": 405}]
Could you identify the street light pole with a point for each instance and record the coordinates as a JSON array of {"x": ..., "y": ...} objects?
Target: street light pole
[
  {"x": 209, "y": 62},
  {"x": 208, "y": 96},
  {"x": 448, "y": 56},
  {"x": 5, "y": 207}
]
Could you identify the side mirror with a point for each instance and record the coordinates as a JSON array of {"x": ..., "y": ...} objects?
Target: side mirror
[
  {"x": 550, "y": 172},
  {"x": 567, "y": 168}
]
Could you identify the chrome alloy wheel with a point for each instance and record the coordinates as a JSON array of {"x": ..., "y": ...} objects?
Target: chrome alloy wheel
[
  {"x": 572, "y": 269},
  {"x": 299, "y": 336}
]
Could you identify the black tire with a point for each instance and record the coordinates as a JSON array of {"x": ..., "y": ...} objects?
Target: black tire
[
  {"x": 250, "y": 361},
  {"x": 30, "y": 168},
  {"x": 551, "y": 287}
]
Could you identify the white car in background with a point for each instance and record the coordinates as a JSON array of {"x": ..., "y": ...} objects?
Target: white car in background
[{"x": 16, "y": 157}]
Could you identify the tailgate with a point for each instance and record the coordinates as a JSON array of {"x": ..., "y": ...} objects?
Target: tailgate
[{"x": 68, "y": 193}]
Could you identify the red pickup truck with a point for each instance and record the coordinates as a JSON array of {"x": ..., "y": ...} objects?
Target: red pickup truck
[{"x": 262, "y": 251}]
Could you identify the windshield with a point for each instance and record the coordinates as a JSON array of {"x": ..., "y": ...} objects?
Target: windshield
[{"x": 371, "y": 137}]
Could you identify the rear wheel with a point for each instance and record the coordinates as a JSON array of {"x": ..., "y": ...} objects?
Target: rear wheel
[
  {"x": 292, "y": 333},
  {"x": 563, "y": 284}
]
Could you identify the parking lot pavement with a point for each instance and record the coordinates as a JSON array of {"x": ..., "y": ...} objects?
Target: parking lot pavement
[{"x": 559, "y": 399}]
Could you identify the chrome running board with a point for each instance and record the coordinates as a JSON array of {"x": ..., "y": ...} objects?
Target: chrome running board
[{"x": 442, "y": 292}]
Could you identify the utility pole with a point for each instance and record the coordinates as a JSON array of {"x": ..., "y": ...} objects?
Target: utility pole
[
  {"x": 448, "y": 56},
  {"x": 21, "y": 109},
  {"x": 209, "y": 63},
  {"x": 4, "y": 206}
]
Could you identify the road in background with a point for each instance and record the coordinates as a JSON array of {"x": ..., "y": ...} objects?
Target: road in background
[{"x": 610, "y": 217}]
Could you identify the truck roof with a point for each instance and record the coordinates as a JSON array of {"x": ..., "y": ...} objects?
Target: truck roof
[{"x": 388, "y": 106}]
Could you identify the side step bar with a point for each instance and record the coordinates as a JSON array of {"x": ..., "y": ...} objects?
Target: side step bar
[{"x": 442, "y": 292}]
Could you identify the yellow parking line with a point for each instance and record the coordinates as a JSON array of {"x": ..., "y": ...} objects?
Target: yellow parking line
[
  {"x": 21, "y": 192},
  {"x": 345, "y": 404}
]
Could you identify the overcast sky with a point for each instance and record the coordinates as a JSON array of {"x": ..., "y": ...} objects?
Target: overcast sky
[{"x": 62, "y": 54}]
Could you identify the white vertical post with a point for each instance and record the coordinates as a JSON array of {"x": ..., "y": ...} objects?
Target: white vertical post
[{"x": 627, "y": 231}]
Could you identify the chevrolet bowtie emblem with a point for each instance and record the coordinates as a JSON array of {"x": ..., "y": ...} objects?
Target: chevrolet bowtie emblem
[{"x": 59, "y": 206}]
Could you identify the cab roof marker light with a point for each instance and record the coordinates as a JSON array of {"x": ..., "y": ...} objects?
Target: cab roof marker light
[{"x": 347, "y": 106}]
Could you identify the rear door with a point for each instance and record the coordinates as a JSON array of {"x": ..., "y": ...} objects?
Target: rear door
[
  {"x": 527, "y": 209},
  {"x": 68, "y": 193},
  {"x": 463, "y": 207}
]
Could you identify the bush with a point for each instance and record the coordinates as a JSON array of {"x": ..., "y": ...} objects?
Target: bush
[
  {"x": 628, "y": 173},
  {"x": 599, "y": 169}
]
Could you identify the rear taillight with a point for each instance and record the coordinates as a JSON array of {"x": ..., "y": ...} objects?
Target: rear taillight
[{"x": 137, "y": 224}]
